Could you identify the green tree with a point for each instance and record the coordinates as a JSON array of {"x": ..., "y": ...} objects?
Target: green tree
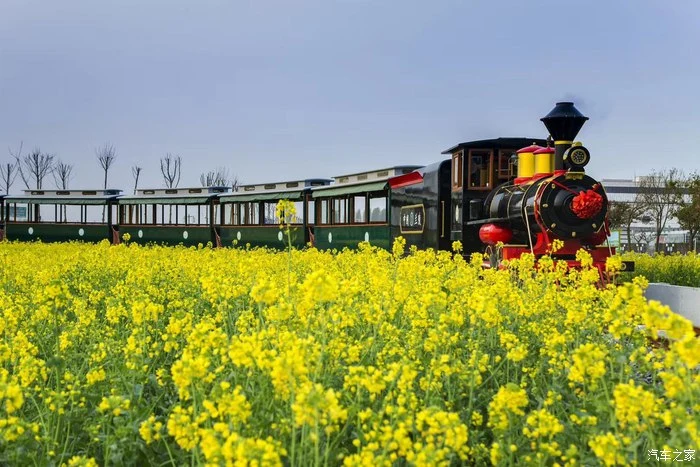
[
  {"x": 660, "y": 194},
  {"x": 621, "y": 215},
  {"x": 688, "y": 214}
]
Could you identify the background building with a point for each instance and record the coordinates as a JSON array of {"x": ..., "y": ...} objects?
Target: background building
[{"x": 673, "y": 237}]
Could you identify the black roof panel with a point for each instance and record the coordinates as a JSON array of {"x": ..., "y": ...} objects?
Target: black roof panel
[{"x": 497, "y": 143}]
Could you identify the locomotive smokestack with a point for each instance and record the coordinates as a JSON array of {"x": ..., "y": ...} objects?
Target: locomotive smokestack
[{"x": 563, "y": 123}]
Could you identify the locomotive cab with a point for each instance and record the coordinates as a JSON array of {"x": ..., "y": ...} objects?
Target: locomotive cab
[{"x": 477, "y": 168}]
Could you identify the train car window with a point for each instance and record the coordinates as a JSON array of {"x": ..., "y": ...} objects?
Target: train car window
[
  {"x": 167, "y": 215},
  {"x": 92, "y": 215},
  {"x": 324, "y": 212},
  {"x": 360, "y": 208},
  {"x": 504, "y": 164},
  {"x": 270, "y": 214},
  {"x": 299, "y": 216},
  {"x": 229, "y": 213},
  {"x": 181, "y": 214},
  {"x": 232, "y": 214},
  {"x": 340, "y": 211},
  {"x": 457, "y": 162},
  {"x": 165, "y": 212},
  {"x": 480, "y": 172},
  {"x": 311, "y": 211},
  {"x": 377, "y": 209},
  {"x": 251, "y": 213},
  {"x": 237, "y": 214},
  {"x": 161, "y": 216},
  {"x": 148, "y": 214},
  {"x": 254, "y": 214}
]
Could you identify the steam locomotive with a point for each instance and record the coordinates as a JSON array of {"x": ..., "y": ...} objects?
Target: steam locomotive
[
  {"x": 510, "y": 196},
  {"x": 504, "y": 196}
]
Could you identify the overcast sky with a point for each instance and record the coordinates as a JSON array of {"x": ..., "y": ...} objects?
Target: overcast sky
[{"x": 281, "y": 90}]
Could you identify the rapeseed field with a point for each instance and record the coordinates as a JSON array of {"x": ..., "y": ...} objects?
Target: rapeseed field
[
  {"x": 113, "y": 355},
  {"x": 676, "y": 268}
]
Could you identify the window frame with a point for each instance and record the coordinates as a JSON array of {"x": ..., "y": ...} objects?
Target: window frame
[
  {"x": 457, "y": 170},
  {"x": 376, "y": 195},
  {"x": 504, "y": 170},
  {"x": 489, "y": 170}
]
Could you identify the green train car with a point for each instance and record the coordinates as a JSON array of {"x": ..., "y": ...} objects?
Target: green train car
[{"x": 375, "y": 207}]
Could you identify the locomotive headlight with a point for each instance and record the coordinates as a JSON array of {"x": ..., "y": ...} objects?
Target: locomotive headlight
[{"x": 577, "y": 157}]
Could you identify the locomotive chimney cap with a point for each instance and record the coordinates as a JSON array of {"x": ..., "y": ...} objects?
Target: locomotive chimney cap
[{"x": 564, "y": 121}]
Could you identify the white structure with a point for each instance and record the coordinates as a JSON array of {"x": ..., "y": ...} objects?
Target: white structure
[{"x": 643, "y": 231}]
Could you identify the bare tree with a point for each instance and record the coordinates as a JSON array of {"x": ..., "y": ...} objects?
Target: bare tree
[
  {"x": 11, "y": 169},
  {"x": 136, "y": 172},
  {"x": 170, "y": 166},
  {"x": 34, "y": 167},
  {"x": 660, "y": 195},
  {"x": 218, "y": 177},
  {"x": 106, "y": 156},
  {"x": 61, "y": 174},
  {"x": 8, "y": 175},
  {"x": 17, "y": 156}
]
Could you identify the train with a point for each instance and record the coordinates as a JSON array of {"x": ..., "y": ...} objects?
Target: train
[{"x": 505, "y": 197}]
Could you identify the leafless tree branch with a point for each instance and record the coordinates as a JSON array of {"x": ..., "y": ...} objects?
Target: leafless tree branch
[
  {"x": 8, "y": 174},
  {"x": 106, "y": 156},
  {"x": 170, "y": 167},
  {"x": 218, "y": 177},
  {"x": 34, "y": 167},
  {"x": 61, "y": 174},
  {"x": 136, "y": 172},
  {"x": 17, "y": 156}
]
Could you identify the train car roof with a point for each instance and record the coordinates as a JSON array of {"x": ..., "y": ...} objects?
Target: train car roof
[
  {"x": 496, "y": 143},
  {"x": 196, "y": 195},
  {"x": 242, "y": 196},
  {"x": 362, "y": 182},
  {"x": 292, "y": 190},
  {"x": 284, "y": 185},
  {"x": 99, "y": 196},
  {"x": 376, "y": 174},
  {"x": 182, "y": 191}
]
